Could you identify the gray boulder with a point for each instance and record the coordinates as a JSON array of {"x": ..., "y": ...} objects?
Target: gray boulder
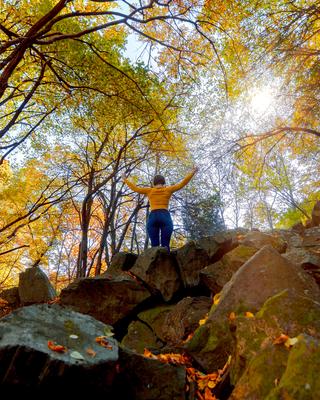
[
  {"x": 35, "y": 287},
  {"x": 106, "y": 299},
  {"x": 159, "y": 271},
  {"x": 27, "y": 362}
]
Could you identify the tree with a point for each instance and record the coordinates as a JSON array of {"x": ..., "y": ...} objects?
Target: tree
[
  {"x": 201, "y": 217},
  {"x": 52, "y": 50}
]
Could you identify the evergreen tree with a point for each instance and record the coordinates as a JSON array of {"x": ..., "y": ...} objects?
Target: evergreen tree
[{"x": 202, "y": 217}]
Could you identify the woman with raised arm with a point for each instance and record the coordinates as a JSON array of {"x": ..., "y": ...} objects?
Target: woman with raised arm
[{"x": 159, "y": 225}]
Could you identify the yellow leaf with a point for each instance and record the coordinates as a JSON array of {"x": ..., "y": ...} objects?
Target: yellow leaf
[
  {"x": 232, "y": 316},
  {"x": 291, "y": 342},
  {"x": 281, "y": 339},
  {"x": 249, "y": 314},
  {"x": 216, "y": 298}
]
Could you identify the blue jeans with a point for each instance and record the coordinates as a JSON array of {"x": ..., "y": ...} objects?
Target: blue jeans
[{"x": 160, "y": 228}]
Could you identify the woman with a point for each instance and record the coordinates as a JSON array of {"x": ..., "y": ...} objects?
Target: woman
[{"x": 159, "y": 225}]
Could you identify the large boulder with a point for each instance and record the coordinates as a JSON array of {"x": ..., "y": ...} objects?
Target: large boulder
[
  {"x": 147, "y": 330},
  {"x": 120, "y": 262},
  {"x": 140, "y": 336},
  {"x": 11, "y": 296},
  {"x": 158, "y": 270},
  {"x": 191, "y": 258},
  {"x": 156, "y": 319},
  {"x": 300, "y": 379},
  {"x": 286, "y": 312},
  {"x": 27, "y": 362},
  {"x": 108, "y": 300},
  {"x": 278, "y": 373},
  {"x": 259, "y": 239},
  {"x": 262, "y": 276},
  {"x": 221, "y": 243},
  {"x": 315, "y": 215},
  {"x": 183, "y": 319},
  {"x": 216, "y": 275},
  {"x": 146, "y": 378},
  {"x": 35, "y": 287}
]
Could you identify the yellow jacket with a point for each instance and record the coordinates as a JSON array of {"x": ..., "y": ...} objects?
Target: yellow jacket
[{"x": 159, "y": 196}]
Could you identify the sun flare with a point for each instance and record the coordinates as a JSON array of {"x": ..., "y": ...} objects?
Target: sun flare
[{"x": 261, "y": 100}]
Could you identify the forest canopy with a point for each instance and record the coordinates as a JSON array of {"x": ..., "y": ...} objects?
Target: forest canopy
[{"x": 90, "y": 90}]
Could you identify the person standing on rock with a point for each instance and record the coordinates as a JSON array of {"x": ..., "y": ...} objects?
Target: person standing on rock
[{"x": 159, "y": 224}]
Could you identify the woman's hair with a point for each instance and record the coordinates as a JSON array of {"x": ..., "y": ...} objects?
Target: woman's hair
[{"x": 159, "y": 180}]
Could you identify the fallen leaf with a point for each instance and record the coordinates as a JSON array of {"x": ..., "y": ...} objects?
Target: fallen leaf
[
  {"x": 281, "y": 339},
  {"x": 190, "y": 336},
  {"x": 203, "y": 321},
  {"x": 291, "y": 342},
  {"x": 91, "y": 352},
  {"x": 56, "y": 347},
  {"x": 248, "y": 314},
  {"x": 76, "y": 355},
  {"x": 232, "y": 316},
  {"x": 216, "y": 298},
  {"x": 208, "y": 395},
  {"x": 102, "y": 340},
  {"x": 74, "y": 337}
]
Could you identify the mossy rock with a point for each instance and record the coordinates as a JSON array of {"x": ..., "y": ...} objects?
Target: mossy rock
[
  {"x": 155, "y": 318},
  {"x": 139, "y": 337},
  {"x": 262, "y": 373},
  {"x": 286, "y": 313},
  {"x": 300, "y": 380},
  {"x": 211, "y": 345}
]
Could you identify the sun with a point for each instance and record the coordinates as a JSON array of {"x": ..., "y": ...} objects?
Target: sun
[{"x": 261, "y": 100}]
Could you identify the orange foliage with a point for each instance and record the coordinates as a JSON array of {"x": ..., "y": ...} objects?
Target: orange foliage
[
  {"x": 281, "y": 339},
  {"x": 204, "y": 382},
  {"x": 103, "y": 341},
  {"x": 56, "y": 347}
]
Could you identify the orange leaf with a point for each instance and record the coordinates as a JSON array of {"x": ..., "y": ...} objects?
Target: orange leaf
[
  {"x": 232, "y": 316},
  {"x": 208, "y": 395},
  {"x": 91, "y": 352},
  {"x": 147, "y": 353},
  {"x": 281, "y": 339},
  {"x": 249, "y": 314},
  {"x": 102, "y": 340},
  {"x": 190, "y": 336},
  {"x": 56, "y": 347}
]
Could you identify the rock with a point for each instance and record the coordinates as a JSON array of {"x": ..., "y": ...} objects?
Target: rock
[
  {"x": 298, "y": 228},
  {"x": 262, "y": 374},
  {"x": 300, "y": 379},
  {"x": 259, "y": 239},
  {"x": 184, "y": 318},
  {"x": 315, "y": 214},
  {"x": 11, "y": 296},
  {"x": 191, "y": 260},
  {"x": 311, "y": 239},
  {"x": 302, "y": 257},
  {"x": 221, "y": 243},
  {"x": 147, "y": 331},
  {"x": 121, "y": 261},
  {"x": 145, "y": 378},
  {"x": 108, "y": 300},
  {"x": 28, "y": 364},
  {"x": 216, "y": 275},
  {"x": 139, "y": 337},
  {"x": 286, "y": 312},
  {"x": 277, "y": 373},
  {"x": 156, "y": 319},
  {"x": 158, "y": 270},
  {"x": 35, "y": 287},
  {"x": 262, "y": 276}
]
